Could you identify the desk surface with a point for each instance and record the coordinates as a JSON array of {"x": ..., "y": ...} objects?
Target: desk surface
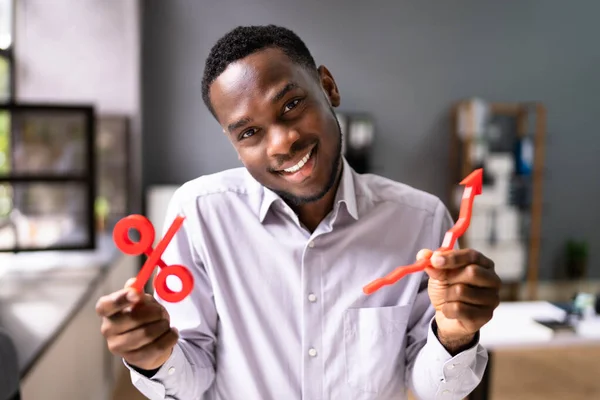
[
  {"x": 41, "y": 292},
  {"x": 513, "y": 326}
]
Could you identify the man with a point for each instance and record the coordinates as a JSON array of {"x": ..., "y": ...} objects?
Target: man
[{"x": 281, "y": 249}]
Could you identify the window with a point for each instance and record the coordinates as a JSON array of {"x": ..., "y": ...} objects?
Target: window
[
  {"x": 47, "y": 177},
  {"x": 7, "y": 13},
  {"x": 46, "y": 164}
]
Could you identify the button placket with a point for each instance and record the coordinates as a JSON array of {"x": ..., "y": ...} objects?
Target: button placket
[
  {"x": 312, "y": 383},
  {"x": 452, "y": 368}
]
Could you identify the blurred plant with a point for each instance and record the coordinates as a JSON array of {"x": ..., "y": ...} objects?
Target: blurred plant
[
  {"x": 577, "y": 253},
  {"x": 101, "y": 211},
  {"x": 4, "y": 79},
  {"x": 4, "y": 142}
]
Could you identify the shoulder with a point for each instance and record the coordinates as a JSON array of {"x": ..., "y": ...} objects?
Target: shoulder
[{"x": 383, "y": 190}]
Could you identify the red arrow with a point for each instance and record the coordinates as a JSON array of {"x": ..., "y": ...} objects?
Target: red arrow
[{"x": 473, "y": 183}]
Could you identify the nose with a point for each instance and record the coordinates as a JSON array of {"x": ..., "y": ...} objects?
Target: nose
[{"x": 280, "y": 140}]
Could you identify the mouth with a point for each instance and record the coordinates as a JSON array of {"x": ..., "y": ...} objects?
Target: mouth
[{"x": 302, "y": 169}]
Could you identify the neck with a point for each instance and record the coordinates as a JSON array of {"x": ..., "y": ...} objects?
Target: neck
[{"x": 311, "y": 214}]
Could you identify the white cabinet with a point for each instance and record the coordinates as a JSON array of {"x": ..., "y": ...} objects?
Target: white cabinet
[{"x": 78, "y": 365}]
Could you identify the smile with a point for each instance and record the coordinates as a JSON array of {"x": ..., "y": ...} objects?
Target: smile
[
  {"x": 303, "y": 169},
  {"x": 300, "y": 164}
]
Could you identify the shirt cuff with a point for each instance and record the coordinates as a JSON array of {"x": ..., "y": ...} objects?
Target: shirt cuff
[
  {"x": 456, "y": 375},
  {"x": 154, "y": 388}
]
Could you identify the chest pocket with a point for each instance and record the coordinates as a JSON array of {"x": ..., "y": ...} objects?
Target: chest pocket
[{"x": 374, "y": 341}]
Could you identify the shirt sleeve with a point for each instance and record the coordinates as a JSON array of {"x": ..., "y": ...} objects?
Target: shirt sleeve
[
  {"x": 432, "y": 372},
  {"x": 190, "y": 370}
]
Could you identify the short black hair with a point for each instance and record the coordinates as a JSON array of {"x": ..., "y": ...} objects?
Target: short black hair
[{"x": 245, "y": 40}]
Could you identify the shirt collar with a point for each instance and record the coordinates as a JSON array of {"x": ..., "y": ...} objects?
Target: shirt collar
[
  {"x": 268, "y": 198},
  {"x": 345, "y": 194},
  {"x": 346, "y": 191}
]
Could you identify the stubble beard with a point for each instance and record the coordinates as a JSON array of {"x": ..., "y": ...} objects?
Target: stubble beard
[{"x": 294, "y": 200}]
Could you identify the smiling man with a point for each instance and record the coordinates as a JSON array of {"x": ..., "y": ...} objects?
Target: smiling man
[{"x": 281, "y": 248}]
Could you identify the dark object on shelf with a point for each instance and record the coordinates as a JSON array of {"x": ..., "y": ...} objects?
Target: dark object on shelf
[
  {"x": 47, "y": 177},
  {"x": 358, "y": 134},
  {"x": 521, "y": 192},
  {"x": 597, "y": 305},
  {"x": 493, "y": 238},
  {"x": 524, "y": 156},
  {"x": 502, "y": 132},
  {"x": 576, "y": 259},
  {"x": 487, "y": 179},
  {"x": 556, "y": 325}
]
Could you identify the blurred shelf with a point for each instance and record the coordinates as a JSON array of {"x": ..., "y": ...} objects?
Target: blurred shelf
[{"x": 526, "y": 120}]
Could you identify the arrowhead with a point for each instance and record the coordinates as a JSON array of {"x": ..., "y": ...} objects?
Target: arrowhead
[{"x": 474, "y": 180}]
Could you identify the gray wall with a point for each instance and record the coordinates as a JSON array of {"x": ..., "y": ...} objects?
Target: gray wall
[{"x": 405, "y": 62}]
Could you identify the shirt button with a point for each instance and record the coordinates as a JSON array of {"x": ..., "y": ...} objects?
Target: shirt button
[
  {"x": 446, "y": 392},
  {"x": 171, "y": 370},
  {"x": 312, "y": 352},
  {"x": 311, "y": 244},
  {"x": 312, "y": 298}
]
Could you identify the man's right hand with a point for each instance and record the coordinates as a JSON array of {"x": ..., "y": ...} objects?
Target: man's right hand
[{"x": 136, "y": 328}]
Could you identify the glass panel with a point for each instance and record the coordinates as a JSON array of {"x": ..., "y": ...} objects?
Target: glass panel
[
  {"x": 6, "y": 20},
  {"x": 42, "y": 215},
  {"x": 111, "y": 169},
  {"x": 4, "y": 142},
  {"x": 46, "y": 143},
  {"x": 4, "y": 79}
]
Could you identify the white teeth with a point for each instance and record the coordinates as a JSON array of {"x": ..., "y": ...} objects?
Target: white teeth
[{"x": 300, "y": 164}]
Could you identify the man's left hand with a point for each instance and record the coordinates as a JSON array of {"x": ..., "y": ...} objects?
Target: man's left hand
[{"x": 464, "y": 290}]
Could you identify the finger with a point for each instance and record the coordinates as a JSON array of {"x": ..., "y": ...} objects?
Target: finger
[
  {"x": 470, "y": 316},
  {"x": 129, "y": 282},
  {"x": 476, "y": 296},
  {"x": 154, "y": 350},
  {"x": 142, "y": 314},
  {"x": 437, "y": 274},
  {"x": 115, "y": 302},
  {"x": 474, "y": 275},
  {"x": 135, "y": 295},
  {"x": 460, "y": 258},
  {"x": 424, "y": 254},
  {"x": 138, "y": 338}
]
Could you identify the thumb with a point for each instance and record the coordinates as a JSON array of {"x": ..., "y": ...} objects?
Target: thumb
[
  {"x": 423, "y": 254},
  {"x": 129, "y": 282},
  {"x": 432, "y": 272},
  {"x": 132, "y": 295}
]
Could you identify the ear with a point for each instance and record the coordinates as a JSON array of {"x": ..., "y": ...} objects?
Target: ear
[{"x": 329, "y": 86}]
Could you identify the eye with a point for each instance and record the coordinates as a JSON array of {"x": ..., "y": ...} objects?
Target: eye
[
  {"x": 291, "y": 105},
  {"x": 247, "y": 133}
]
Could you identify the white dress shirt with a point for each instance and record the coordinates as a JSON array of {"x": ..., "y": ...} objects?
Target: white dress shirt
[{"x": 278, "y": 312}]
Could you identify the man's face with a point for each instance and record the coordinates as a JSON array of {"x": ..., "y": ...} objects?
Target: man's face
[{"x": 280, "y": 119}]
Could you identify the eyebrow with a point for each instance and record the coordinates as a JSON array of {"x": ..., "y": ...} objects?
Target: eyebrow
[
  {"x": 238, "y": 124},
  {"x": 284, "y": 91},
  {"x": 278, "y": 96}
]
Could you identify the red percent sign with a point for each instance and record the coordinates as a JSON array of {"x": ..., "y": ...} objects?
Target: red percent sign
[
  {"x": 473, "y": 183},
  {"x": 144, "y": 246}
]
